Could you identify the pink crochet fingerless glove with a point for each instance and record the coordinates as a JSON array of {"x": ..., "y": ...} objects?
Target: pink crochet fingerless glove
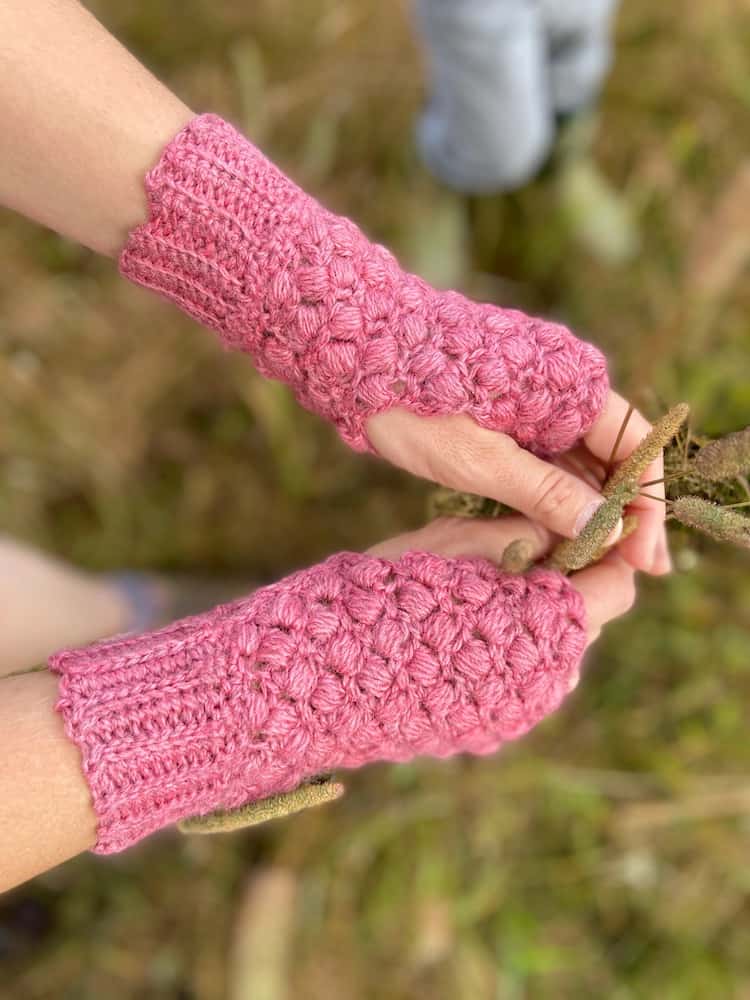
[
  {"x": 242, "y": 249},
  {"x": 356, "y": 660}
]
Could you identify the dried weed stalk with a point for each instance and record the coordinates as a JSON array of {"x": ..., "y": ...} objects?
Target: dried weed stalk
[
  {"x": 310, "y": 793},
  {"x": 719, "y": 523},
  {"x": 704, "y": 480}
]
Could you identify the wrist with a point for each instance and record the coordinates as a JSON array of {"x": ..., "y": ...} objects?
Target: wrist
[
  {"x": 241, "y": 248},
  {"x": 135, "y": 146}
]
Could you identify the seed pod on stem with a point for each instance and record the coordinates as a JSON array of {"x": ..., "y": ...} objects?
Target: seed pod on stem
[
  {"x": 576, "y": 553},
  {"x": 719, "y": 523},
  {"x": 311, "y": 793},
  {"x": 651, "y": 447},
  {"x": 726, "y": 458},
  {"x": 518, "y": 556}
]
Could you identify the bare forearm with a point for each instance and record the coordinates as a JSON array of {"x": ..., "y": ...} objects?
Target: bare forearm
[
  {"x": 46, "y": 814},
  {"x": 81, "y": 121}
]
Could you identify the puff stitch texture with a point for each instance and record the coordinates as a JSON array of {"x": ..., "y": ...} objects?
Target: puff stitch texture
[
  {"x": 356, "y": 660},
  {"x": 237, "y": 245}
]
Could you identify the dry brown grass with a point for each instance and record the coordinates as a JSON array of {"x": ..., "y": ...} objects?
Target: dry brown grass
[{"x": 127, "y": 437}]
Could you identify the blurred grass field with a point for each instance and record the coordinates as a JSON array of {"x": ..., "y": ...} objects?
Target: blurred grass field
[{"x": 608, "y": 855}]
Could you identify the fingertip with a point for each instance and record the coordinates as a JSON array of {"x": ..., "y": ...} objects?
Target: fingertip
[
  {"x": 638, "y": 556},
  {"x": 612, "y": 564},
  {"x": 619, "y": 562},
  {"x": 607, "y": 588},
  {"x": 645, "y": 548},
  {"x": 662, "y": 564},
  {"x": 547, "y": 494},
  {"x": 662, "y": 569}
]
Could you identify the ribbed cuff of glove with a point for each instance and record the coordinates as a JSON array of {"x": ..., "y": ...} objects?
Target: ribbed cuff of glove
[
  {"x": 353, "y": 661},
  {"x": 242, "y": 249}
]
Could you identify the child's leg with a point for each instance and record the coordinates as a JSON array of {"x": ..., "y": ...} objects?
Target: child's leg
[
  {"x": 580, "y": 47},
  {"x": 580, "y": 50},
  {"x": 488, "y": 125},
  {"x": 46, "y": 604}
]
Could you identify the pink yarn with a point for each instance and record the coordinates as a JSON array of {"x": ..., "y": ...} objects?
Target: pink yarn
[
  {"x": 356, "y": 660},
  {"x": 242, "y": 249}
]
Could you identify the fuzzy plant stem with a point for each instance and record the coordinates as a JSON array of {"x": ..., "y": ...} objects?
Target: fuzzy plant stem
[
  {"x": 727, "y": 458},
  {"x": 576, "y": 553},
  {"x": 650, "y": 448},
  {"x": 310, "y": 793},
  {"x": 621, "y": 488},
  {"x": 717, "y": 522},
  {"x": 518, "y": 556}
]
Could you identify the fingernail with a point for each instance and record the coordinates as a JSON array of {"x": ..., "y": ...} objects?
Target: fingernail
[
  {"x": 662, "y": 562},
  {"x": 586, "y": 514},
  {"x": 614, "y": 537}
]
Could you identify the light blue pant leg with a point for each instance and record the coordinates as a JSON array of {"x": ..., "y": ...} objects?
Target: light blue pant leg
[
  {"x": 580, "y": 46},
  {"x": 500, "y": 70},
  {"x": 488, "y": 124}
]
